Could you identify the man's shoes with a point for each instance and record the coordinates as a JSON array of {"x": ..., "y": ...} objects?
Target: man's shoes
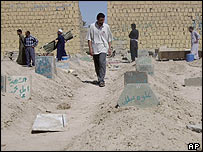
[
  {"x": 29, "y": 66},
  {"x": 101, "y": 84}
]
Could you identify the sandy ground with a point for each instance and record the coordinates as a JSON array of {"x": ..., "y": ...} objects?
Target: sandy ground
[{"x": 93, "y": 121}]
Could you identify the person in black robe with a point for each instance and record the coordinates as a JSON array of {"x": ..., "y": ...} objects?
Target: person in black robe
[
  {"x": 134, "y": 35},
  {"x": 60, "y": 45}
]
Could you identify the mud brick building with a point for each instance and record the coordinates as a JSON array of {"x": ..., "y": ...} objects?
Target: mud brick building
[
  {"x": 160, "y": 23},
  {"x": 42, "y": 19}
]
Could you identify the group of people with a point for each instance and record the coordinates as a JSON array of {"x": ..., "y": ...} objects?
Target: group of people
[
  {"x": 27, "y": 46},
  {"x": 99, "y": 38}
]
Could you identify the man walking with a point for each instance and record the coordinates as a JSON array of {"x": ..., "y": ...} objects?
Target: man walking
[
  {"x": 194, "y": 42},
  {"x": 60, "y": 45},
  {"x": 21, "y": 56},
  {"x": 99, "y": 39},
  {"x": 134, "y": 35},
  {"x": 30, "y": 43}
]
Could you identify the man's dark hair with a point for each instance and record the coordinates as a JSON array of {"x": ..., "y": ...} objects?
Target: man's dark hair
[
  {"x": 100, "y": 15},
  {"x": 19, "y": 30},
  {"x": 192, "y": 28},
  {"x": 133, "y": 26},
  {"x": 28, "y": 32}
]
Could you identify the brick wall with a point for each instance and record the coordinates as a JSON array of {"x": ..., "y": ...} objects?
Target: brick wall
[
  {"x": 42, "y": 19},
  {"x": 160, "y": 23}
]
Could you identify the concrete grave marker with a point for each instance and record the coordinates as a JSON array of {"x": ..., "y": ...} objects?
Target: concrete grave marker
[
  {"x": 135, "y": 77},
  {"x": 142, "y": 53},
  {"x": 49, "y": 122},
  {"x": 3, "y": 83},
  {"x": 45, "y": 65},
  {"x": 86, "y": 58},
  {"x": 139, "y": 95},
  {"x": 149, "y": 68},
  {"x": 193, "y": 81},
  {"x": 20, "y": 86},
  {"x": 62, "y": 65},
  {"x": 144, "y": 60}
]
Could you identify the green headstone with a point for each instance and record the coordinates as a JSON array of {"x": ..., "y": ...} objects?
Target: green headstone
[
  {"x": 86, "y": 58},
  {"x": 139, "y": 95},
  {"x": 45, "y": 65},
  {"x": 135, "y": 77},
  {"x": 144, "y": 60},
  {"x": 149, "y": 68},
  {"x": 142, "y": 53}
]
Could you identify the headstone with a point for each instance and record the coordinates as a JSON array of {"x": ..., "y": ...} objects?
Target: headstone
[
  {"x": 86, "y": 58},
  {"x": 193, "y": 81},
  {"x": 149, "y": 68},
  {"x": 49, "y": 122},
  {"x": 142, "y": 53},
  {"x": 144, "y": 60},
  {"x": 135, "y": 77},
  {"x": 62, "y": 65},
  {"x": 3, "y": 83},
  {"x": 19, "y": 86},
  {"x": 139, "y": 95},
  {"x": 45, "y": 65}
]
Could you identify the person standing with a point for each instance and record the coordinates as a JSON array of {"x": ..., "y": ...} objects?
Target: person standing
[
  {"x": 60, "y": 45},
  {"x": 194, "y": 42},
  {"x": 134, "y": 35},
  {"x": 21, "y": 56},
  {"x": 30, "y": 43},
  {"x": 99, "y": 38}
]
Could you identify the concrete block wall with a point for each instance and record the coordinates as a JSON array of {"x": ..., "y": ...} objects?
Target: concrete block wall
[
  {"x": 160, "y": 23},
  {"x": 42, "y": 19}
]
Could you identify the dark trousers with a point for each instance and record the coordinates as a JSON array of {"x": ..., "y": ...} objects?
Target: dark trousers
[
  {"x": 100, "y": 66},
  {"x": 30, "y": 55},
  {"x": 133, "y": 49}
]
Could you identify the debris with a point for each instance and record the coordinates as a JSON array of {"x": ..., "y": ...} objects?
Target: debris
[{"x": 197, "y": 128}]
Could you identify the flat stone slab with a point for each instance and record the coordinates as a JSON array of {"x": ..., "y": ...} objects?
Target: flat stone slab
[
  {"x": 144, "y": 60},
  {"x": 135, "y": 77},
  {"x": 19, "y": 86},
  {"x": 139, "y": 95},
  {"x": 49, "y": 122},
  {"x": 45, "y": 65},
  {"x": 142, "y": 53},
  {"x": 197, "y": 128},
  {"x": 193, "y": 81},
  {"x": 149, "y": 68}
]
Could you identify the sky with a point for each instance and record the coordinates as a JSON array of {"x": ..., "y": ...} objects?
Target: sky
[{"x": 90, "y": 9}]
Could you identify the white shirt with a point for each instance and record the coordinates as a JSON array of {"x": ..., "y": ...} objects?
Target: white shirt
[
  {"x": 100, "y": 36},
  {"x": 194, "y": 36}
]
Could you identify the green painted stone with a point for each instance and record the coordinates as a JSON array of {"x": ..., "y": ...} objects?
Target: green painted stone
[
  {"x": 144, "y": 60},
  {"x": 139, "y": 95},
  {"x": 149, "y": 68},
  {"x": 86, "y": 58},
  {"x": 45, "y": 65},
  {"x": 142, "y": 53},
  {"x": 135, "y": 77}
]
